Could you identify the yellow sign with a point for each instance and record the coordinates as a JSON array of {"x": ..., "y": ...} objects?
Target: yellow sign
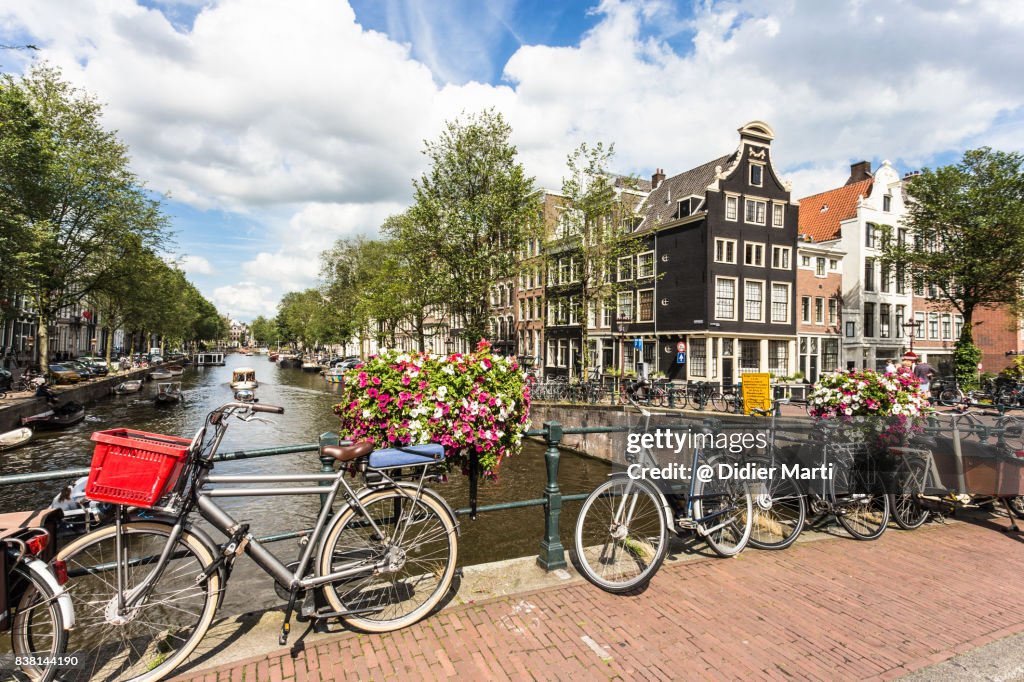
[{"x": 757, "y": 392}]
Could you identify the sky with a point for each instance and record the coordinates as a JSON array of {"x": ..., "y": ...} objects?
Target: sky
[{"x": 271, "y": 129}]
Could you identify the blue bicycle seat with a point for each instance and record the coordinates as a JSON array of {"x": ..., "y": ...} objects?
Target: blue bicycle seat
[{"x": 406, "y": 456}]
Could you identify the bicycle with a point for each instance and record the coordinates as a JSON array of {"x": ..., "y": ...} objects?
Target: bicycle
[
  {"x": 704, "y": 392},
  {"x": 621, "y": 534},
  {"x": 33, "y": 605},
  {"x": 780, "y": 507},
  {"x": 147, "y": 587}
]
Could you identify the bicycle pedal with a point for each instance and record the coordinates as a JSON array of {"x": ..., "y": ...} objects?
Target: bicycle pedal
[
  {"x": 285, "y": 629},
  {"x": 686, "y": 523}
]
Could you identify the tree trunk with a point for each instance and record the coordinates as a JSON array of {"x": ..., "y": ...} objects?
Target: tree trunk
[{"x": 43, "y": 342}]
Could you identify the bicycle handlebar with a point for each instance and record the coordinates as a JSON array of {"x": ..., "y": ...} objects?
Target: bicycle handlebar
[{"x": 273, "y": 409}]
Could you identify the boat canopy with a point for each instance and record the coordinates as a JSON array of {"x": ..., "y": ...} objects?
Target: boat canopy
[{"x": 243, "y": 374}]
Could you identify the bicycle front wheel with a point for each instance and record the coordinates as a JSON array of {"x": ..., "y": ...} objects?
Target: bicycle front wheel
[
  {"x": 146, "y": 642},
  {"x": 863, "y": 510},
  {"x": 951, "y": 396},
  {"x": 38, "y": 630},
  {"x": 779, "y": 510},
  {"x": 906, "y": 510},
  {"x": 723, "y": 512},
  {"x": 621, "y": 535},
  {"x": 717, "y": 402},
  {"x": 406, "y": 549}
]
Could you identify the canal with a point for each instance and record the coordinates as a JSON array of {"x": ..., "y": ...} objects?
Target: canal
[{"x": 307, "y": 399}]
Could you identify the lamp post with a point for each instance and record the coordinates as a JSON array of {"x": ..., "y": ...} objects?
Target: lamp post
[
  {"x": 912, "y": 326},
  {"x": 622, "y": 325}
]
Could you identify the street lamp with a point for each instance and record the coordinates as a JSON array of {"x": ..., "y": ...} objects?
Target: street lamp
[
  {"x": 912, "y": 326},
  {"x": 622, "y": 325}
]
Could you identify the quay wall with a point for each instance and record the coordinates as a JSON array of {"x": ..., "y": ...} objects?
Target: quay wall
[{"x": 11, "y": 411}]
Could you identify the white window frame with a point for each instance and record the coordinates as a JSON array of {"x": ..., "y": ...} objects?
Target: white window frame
[
  {"x": 806, "y": 319},
  {"x": 804, "y": 257},
  {"x": 789, "y": 311},
  {"x": 750, "y": 173},
  {"x": 780, "y": 210},
  {"x": 725, "y": 242},
  {"x": 618, "y": 304},
  {"x": 787, "y": 252},
  {"x": 618, "y": 269},
  {"x": 758, "y": 248},
  {"x": 639, "y": 293},
  {"x": 735, "y": 201},
  {"x": 761, "y": 316},
  {"x": 639, "y": 260},
  {"x": 749, "y": 202},
  {"x": 734, "y": 287}
]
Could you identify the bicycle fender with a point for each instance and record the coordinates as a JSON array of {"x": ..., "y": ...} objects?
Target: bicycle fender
[
  {"x": 42, "y": 571},
  {"x": 666, "y": 508}
]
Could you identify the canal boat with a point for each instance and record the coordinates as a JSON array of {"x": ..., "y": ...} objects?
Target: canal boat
[
  {"x": 311, "y": 365},
  {"x": 273, "y": 357},
  {"x": 335, "y": 375},
  {"x": 208, "y": 359},
  {"x": 285, "y": 361},
  {"x": 126, "y": 387},
  {"x": 243, "y": 379},
  {"x": 168, "y": 393},
  {"x": 61, "y": 417},
  {"x": 175, "y": 370},
  {"x": 13, "y": 439},
  {"x": 160, "y": 374}
]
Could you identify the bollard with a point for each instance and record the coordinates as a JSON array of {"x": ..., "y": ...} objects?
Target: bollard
[
  {"x": 671, "y": 396},
  {"x": 552, "y": 554},
  {"x": 326, "y": 461}
]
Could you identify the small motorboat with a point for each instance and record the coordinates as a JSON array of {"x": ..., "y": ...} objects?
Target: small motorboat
[
  {"x": 335, "y": 375},
  {"x": 160, "y": 374},
  {"x": 243, "y": 379},
  {"x": 311, "y": 365},
  {"x": 273, "y": 357},
  {"x": 126, "y": 387},
  {"x": 175, "y": 370},
  {"x": 168, "y": 393},
  {"x": 68, "y": 414},
  {"x": 13, "y": 439}
]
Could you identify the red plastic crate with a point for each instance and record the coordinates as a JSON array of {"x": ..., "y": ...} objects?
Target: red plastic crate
[{"x": 134, "y": 467}]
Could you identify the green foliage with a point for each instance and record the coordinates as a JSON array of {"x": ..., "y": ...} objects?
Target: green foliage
[
  {"x": 966, "y": 357},
  {"x": 1015, "y": 371},
  {"x": 308, "y": 318}
]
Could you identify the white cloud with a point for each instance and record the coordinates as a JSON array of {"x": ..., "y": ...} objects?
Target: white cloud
[
  {"x": 245, "y": 300},
  {"x": 195, "y": 265}
]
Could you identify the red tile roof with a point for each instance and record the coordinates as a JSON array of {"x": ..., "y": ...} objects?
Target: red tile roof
[{"x": 820, "y": 214}]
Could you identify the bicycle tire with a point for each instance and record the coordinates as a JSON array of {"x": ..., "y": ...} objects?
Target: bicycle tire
[
  {"x": 626, "y": 563},
  {"x": 350, "y": 536},
  {"x": 37, "y": 629},
  {"x": 726, "y": 507},
  {"x": 951, "y": 396},
  {"x": 658, "y": 397},
  {"x": 904, "y": 507},
  {"x": 1016, "y": 505},
  {"x": 113, "y": 649},
  {"x": 779, "y": 510},
  {"x": 717, "y": 402},
  {"x": 865, "y": 516}
]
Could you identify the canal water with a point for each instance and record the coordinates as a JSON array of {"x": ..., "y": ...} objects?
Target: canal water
[{"x": 307, "y": 399}]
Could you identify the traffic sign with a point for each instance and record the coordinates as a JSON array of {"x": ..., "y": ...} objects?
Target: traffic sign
[
  {"x": 681, "y": 358},
  {"x": 681, "y": 347},
  {"x": 638, "y": 343}
]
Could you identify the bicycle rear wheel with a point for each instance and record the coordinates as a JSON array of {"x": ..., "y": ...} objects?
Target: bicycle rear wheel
[
  {"x": 862, "y": 509},
  {"x": 951, "y": 396},
  {"x": 407, "y": 571},
  {"x": 717, "y": 401},
  {"x": 723, "y": 511},
  {"x": 38, "y": 630},
  {"x": 905, "y": 508},
  {"x": 147, "y": 642},
  {"x": 621, "y": 535},
  {"x": 779, "y": 510}
]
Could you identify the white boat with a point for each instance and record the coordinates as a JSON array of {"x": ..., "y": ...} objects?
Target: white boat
[
  {"x": 130, "y": 386},
  {"x": 243, "y": 379},
  {"x": 160, "y": 374},
  {"x": 334, "y": 375},
  {"x": 205, "y": 359},
  {"x": 175, "y": 370},
  {"x": 13, "y": 439},
  {"x": 168, "y": 393}
]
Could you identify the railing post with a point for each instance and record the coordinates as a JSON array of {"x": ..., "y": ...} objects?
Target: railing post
[
  {"x": 326, "y": 461},
  {"x": 552, "y": 554}
]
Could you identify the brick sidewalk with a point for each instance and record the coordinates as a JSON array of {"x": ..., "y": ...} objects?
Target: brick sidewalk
[{"x": 831, "y": 609}]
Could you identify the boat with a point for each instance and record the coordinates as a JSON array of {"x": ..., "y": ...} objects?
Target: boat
[
  {"x": 334, "y": 375},
  {"x": 175, "y": 370},
  {"x": 160, "y": 374},
  {"x": 68, "y": 414},
  {"x": 243, "y": 379},
  {"x": 311, "y": 365},
  {"x": 245, "y": 396},
  {"x": 285, "y": 361},
  {"x": 126, "y": 387},
  {"x": 13, "y": 439},
  {"x": 273, "y": 357},
  {"x": 168, "y": 393},
  {"x": 207, "y": 359}
]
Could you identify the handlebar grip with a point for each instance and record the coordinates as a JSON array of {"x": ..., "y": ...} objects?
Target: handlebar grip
[{"x": 273, "y": 409}]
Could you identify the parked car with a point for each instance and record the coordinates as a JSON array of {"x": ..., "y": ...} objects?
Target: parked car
[
  {"x": 97, "y": 365},
  {"x": 83, "y": 369},
  {"x": 64, "y": 374}
]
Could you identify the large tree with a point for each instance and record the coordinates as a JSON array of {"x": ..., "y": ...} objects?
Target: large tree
[
  {"x": 76, "y": 201},
  {"x": 474, "y": 210},
  {"x": 967, "y": 226}
]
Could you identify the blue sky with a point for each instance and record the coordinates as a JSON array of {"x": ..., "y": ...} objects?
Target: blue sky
[{"x": 273, "y": 129}]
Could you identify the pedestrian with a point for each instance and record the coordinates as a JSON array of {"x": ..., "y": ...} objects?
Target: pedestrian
[
  {"x": 43, "y": 391},
  {"x": 890, "y": 366}
]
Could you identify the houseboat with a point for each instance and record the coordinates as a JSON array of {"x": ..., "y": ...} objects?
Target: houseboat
[{"x": 209, "y": 359}]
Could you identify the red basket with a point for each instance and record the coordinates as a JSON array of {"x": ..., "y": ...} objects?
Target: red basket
[{"x": 134, "y": 467}]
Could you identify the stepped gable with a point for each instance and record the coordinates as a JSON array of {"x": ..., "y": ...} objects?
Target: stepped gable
[{"x": 821, "y": 214}]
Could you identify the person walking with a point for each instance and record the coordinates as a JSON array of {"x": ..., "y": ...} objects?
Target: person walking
[{"x": 924, "y": 373}]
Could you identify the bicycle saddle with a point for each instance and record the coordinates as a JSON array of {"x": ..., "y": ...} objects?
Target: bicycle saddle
[{"x": 347, "y": 453}]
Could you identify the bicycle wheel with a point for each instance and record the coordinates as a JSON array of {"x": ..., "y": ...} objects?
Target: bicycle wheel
[
  {"x": 1016, "y": 504},
  {"x": 152, "y": 639},
  {"x": 723, "y": 512},
  {"x": 621, "y": 535},
  {"x": 951, "y": 396},
  {"x": 862, "y": 509},
  {"x": 658, "y": 397},
  {"x": 779, "y": 510},
  {"x": 418, "y": 549},
  {"x": 38, "y": 628},
  {"x": 717, "y": 402},
  {"x": 905, "y": 508}
]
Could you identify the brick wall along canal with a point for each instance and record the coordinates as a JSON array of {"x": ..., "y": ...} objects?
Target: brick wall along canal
[{"x": 307, "y": 400}]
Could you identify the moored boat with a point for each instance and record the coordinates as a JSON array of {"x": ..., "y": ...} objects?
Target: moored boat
[
  {"x": 273, "y": 357},
  {"x": 334, "y": 375},
  {"x": 311, "y": 365},
  {"x": 175, "y": 370},
  {"x": 126, "y": 387},
  {"x": 168, "y": 393},
  {"x": 243, "y": 379},
  {"x": 206, "y": 359},
  {"x": 13, "y": 439},
  {"x": 66, "y": 415},
  {"x": 160, "y": 374}
]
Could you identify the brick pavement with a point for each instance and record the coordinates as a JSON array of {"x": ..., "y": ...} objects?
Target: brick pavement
[{"x": 832, "y": 609}]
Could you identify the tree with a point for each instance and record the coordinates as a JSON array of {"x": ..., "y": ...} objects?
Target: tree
[
  {"x": 967, "y": 222},
  {"x": 420, "y": 288},
  {"x": 264, "y": 331},
  {"x": 593, "y": 233},
  {"x": 71, "y": 194},
  {"x": 473, "y": 212}
]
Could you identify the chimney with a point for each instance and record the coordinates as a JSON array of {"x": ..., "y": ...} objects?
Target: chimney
[
  {"x": 859, "y": 171},
  {"x": 657, "y": 178}
]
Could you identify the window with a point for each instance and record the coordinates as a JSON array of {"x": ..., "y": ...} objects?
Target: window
[
  {"x": 833, "y": 311},
  {"x": 778, "y": 357},
  {"x": 626, "y": 305},
  {"x": 564, "y": 270},
  {"x": 947, "y": 326},
  {"x": 698, "y": 357},
  {"x": 780, "y": 257},
  {"x": 884, "y": 283},
  {"x": 778, "y": 211},
  {"x": 645, "y": 308},
  {"x": 725, "y": 298},
  {"x": 884, "y": 326},
  {"x": 750, "y": 356},
  {"x": 756, "y": 175},
  {"x": 780, "y": 302},
  {"x": 933, "y": 325},
  {"x": 933, "y": 291},
  {"x": 625, "y": 268},
  {"x": 901, "y": 236},
  {"x": 871, "y": 236},
  {"x": 829, "y": 354},
  {"x": 755, "y": 210},
  {"x": 869, "y": 274},
  {"x": 753, "y": 254},
  {"x": 887, "y": 203},
  {"x": 819, "y": 310},
  {"x": 725, "y": 250},
  {"x": 805, "y": 261},
  {"x": 901, "y": 279},
  {"x": 919, "y": 325},
  {"x": 833, "y": 263},
  {"x": 608, "y": 313},
  {"x": 959, "y": 328},
  {"x": 918, "y": 286},
  {"x": 819, "y": 267},
  {"x": 645, "y": 265},
  {"x": 731, "y": 207},
  {"x": 869, "y": 319},
  {"x": 753, "y": 301},
  {"x": 805, "y": 309}
]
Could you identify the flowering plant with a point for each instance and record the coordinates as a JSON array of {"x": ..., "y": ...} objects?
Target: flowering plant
[
  {"x": 475, "y": 405},
  {"x": 893, "y": 399}
]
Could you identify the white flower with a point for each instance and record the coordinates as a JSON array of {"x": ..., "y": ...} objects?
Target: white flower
[{"x": 442, "y": 391}]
